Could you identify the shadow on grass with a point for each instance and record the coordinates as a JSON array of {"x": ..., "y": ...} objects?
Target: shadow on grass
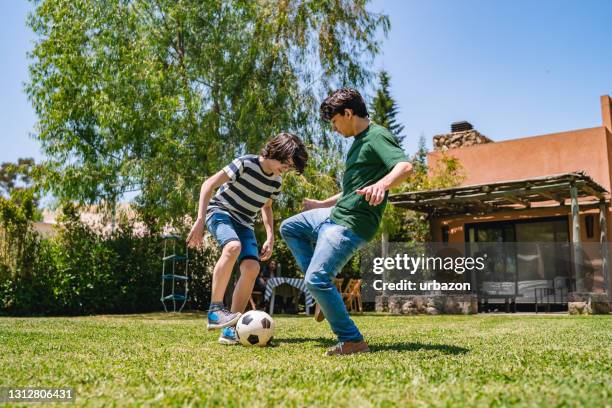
[
  {"x": 376, "y": 348},
  {"x": 322, "y": 341},
  {"x": 444, "y": 348}
]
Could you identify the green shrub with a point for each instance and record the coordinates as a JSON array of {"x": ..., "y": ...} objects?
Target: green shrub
[{"x": 82, "y": 271}]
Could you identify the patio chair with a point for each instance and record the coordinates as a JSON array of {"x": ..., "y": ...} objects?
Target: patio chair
[
  {"x": 353, "y": 299},
  {"x": 345, "y": 293},
  {"x": 259, "y": 296},
  {"x": 547, "y": 296},
  {"x": 289, "y": 298},
  {"x": 338, "y": 282}
]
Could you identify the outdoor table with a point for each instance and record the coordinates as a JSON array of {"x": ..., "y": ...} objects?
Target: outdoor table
[{"x": 295, "y": 282}]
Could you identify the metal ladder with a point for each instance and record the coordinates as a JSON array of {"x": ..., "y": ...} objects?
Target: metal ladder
[{"x": 172, "y": 276}]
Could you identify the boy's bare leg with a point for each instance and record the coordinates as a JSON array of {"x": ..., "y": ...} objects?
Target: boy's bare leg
[
  {"x": 223, "y": 270},
  {"x": 249, "y": 270}
]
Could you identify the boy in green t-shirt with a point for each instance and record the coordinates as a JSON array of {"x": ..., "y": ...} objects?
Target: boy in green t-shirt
[{"x": 326, "y": 236}]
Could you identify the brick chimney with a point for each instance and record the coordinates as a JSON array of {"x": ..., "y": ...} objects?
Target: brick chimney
[
  {"x": 606, "y": 112},
  {"x": 462, "y": 134}
]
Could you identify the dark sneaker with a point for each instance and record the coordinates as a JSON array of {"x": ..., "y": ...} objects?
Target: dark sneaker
[
  {"x": 348, "y": 347},
  {"x": 228, "y": 336},
  {"x": 318, "y": 314},
  {"x": 220, "y": 318}
]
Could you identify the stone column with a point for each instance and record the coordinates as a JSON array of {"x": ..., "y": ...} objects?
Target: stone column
[
  {"x": 576, "y": 241},
  {"x": 603, "y": 240}
]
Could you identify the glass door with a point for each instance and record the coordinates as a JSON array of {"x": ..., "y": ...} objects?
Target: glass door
[
  {"x": 523, "y": 257},
  {"x": 499, "y": 276}
]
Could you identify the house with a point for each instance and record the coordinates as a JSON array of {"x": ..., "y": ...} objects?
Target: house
[
  {"x": 540, "y": 205},
  {"x": 92, "y": 216}
]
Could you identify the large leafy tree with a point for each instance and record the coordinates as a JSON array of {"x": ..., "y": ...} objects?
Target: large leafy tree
[
  {"x": 156, "y": 95},
  {"x": 384, "y": 108}
]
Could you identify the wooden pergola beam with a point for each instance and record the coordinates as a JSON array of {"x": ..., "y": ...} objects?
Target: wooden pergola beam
[
  {"x": 471, "y": 197},
  {"x": 552, "y": 197},
  {"x": 519, "y": 201},
  {"x": 503, "y": 196},
  {"x": 450, "y": 211},
  {"x": 591, "y": 191}
]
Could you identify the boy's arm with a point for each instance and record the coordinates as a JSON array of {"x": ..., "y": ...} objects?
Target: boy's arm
[
  {"x": 268, "y": 221},
  {"x": 309, "y": 203},
  {"x": 375, "y": 194},
  {"x": 211, "y": 184}
]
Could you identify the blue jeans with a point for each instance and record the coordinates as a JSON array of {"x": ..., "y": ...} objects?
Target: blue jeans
[
  {"x": 225, "y": 229},
  {"x": 321, "y": 248}
]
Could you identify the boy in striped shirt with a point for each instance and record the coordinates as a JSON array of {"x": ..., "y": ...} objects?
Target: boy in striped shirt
[{"x": 245, "y": 186}]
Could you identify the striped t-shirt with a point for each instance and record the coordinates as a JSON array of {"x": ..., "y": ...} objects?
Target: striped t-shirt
[{"x": 247, "y": 190}]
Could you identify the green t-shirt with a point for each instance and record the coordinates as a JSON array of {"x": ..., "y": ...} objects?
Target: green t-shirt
[{"x": 372, "y": 156}]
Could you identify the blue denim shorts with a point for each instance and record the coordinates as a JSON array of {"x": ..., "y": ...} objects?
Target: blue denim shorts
[{"x": 225, "y": 229}]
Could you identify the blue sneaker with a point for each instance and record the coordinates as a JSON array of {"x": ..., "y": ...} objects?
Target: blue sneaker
[
  {"x": 228, "y": 336},
  {"x": 217, "y": 319}
]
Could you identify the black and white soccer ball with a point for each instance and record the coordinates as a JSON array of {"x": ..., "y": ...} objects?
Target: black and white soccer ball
[{"x": 255, "y": 328}]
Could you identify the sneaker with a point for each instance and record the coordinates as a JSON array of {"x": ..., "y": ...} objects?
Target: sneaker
[
  {"x": 348, "y": 347},
  {"x": 228, "y": 336},
  {"x": 318, "y": 314},
  {"x": 217, "y": 319}
]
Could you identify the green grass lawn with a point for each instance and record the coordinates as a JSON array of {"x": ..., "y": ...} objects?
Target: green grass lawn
[{"x": 169, "y": 359}]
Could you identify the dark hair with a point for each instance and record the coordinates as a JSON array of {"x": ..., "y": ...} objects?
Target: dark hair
[
  {"x": 285, "y": 146},
  {"x": 345, "y": 98}
]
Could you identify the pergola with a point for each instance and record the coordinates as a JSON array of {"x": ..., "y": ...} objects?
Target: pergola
[{"x": 518, "y": 196}]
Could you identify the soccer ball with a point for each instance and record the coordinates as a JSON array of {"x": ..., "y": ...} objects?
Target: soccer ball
[{"x": 255, "y": 328}]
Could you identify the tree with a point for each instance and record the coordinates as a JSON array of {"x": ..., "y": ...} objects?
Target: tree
[
  {"x": 419, "y": 160},
  {"x": 407, "y": 225},
  {"x": 155, "y": 96},
  {"x": 384, "y": 108},
  {"x": 18, "y": 207},
  {"x": 419, "y": 179},
  {"x": 16, "y": 175},
  {"x": 17, "y": 185}
]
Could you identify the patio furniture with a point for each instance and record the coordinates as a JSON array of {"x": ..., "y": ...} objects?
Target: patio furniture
[
  {"x": 543, "y": 294},
  {"x": 338, "y": 282},
  {"x": 352, "y": 295},
  {"x": 555, "y": 295},
  {"x": 298, "y": 283},
  {"x": 257, "y": 294},
  {"x": 499, "y": 290},
  {"x": 353, "y": 300},
  {"x": 509, "y": 299}
]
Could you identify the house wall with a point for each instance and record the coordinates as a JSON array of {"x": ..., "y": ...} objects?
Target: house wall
[
  {"x": 588, "y": 150},
  {"x": 535, "y": 156}
]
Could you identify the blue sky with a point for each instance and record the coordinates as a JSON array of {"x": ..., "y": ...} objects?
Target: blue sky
[{"x": 512, "y": 68}]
